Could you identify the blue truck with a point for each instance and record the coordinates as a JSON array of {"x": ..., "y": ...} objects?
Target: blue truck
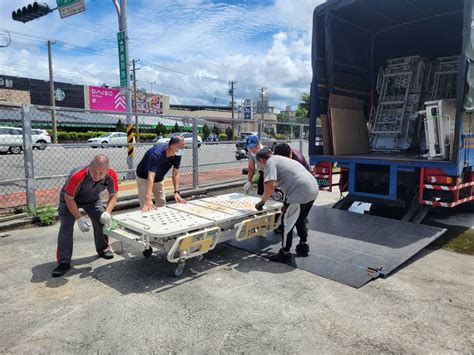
[{"x": 393, "y": 88}]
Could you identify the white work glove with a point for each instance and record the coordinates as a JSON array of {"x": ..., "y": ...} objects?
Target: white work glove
[
  {"x": 84, "y": 226},
  {"x": 247, "y": 186},
  {"x": 106, "y": 219}
]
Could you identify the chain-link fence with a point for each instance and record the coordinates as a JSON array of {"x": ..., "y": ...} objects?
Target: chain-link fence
[{"x": 34, "y": 168}]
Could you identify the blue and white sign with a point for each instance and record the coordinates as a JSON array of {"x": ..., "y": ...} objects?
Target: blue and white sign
[{"x": 247, "y": 113}]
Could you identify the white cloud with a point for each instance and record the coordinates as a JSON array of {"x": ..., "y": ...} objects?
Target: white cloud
[{"x": 190, "y": 48}]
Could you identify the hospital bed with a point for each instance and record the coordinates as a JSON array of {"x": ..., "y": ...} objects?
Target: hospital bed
[{"x": 185, "y": 231}]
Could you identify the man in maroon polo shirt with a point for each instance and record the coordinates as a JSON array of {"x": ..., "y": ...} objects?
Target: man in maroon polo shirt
[{"x": 82, "y": 190}]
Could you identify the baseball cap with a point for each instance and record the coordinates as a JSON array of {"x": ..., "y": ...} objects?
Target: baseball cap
[{"x": 252, "y": 141}]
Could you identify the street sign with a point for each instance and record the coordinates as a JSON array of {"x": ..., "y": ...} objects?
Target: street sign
[
  {"x": 122, "y": 59},
  {"x": 70, "y": 7},
  {"x": 247, "y": 113}
]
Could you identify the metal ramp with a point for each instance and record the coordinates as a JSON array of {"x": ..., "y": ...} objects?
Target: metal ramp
[{"x": 351, "y": 248}]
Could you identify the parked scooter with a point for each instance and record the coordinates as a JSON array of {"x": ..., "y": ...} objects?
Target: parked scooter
[{"x": 241, "y": 153}]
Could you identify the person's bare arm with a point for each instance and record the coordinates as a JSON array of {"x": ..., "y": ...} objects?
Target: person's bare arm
[
  {"x": 72, "y": 206},
  {"x": 269, "y": 188},
  {"x": 149, "y": 192},
  {"x": 175, "y": 177},
  {"x": 251, "y": 170},
  {"x": 111, "y": 203}
]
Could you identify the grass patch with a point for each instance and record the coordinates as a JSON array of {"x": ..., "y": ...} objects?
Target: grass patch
[
  {"x": 456, "y": 238},
  {"x": 44, "y": 216}
]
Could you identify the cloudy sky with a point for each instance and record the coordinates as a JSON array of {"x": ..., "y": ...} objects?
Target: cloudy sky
[{"x": 188, "y": 49}]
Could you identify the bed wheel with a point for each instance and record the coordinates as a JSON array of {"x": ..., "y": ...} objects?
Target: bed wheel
[
  {"x": 147, "y": 252},
  {"x": 177, "y": 270}
]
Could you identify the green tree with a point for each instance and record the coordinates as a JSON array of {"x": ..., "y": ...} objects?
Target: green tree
[
  {"x": 270, "y": 132},
  {"x": 205, "y": 131},
  {"x": 303, "y": 109},
  {"x": 176, "y": 128},
  {"x": 160, "y": 129},
  {"x": 229, "y": 133},
  {"x": 120, "y": 126},
  {"x": 305, "y": 101},
  {"x": 282, "y": 117},
  {"x": 216, "y": 130}
]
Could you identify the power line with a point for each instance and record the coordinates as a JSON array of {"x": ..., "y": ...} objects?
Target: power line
[{"x": 93, "y": 50}]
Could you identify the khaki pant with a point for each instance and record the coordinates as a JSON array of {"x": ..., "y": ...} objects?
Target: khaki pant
[{"x": 158, "y": 192}]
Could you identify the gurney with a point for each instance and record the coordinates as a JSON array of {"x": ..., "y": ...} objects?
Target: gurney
[{"x": 185, "y": 231}]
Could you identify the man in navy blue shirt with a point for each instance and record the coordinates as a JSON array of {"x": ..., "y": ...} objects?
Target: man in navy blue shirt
[{"x": 152, "y": 170}]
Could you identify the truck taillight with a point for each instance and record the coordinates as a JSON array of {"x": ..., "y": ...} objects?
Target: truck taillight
[{"x": 437, "y": 179}]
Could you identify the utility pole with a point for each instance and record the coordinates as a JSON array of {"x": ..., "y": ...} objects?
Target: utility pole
[
  {"x": 51, "y": 94},
  {"x": 231, "y": 92},
  {"x": 137, "y": 131},
  {"x": 122, "y": 22},
  {"x": 260, "y": 126}
]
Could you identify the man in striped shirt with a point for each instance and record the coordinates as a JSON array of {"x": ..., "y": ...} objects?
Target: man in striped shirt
[{"x": 82, "y": 190}]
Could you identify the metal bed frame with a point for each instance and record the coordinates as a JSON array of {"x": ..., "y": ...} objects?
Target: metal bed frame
[{"x": 185, "y": 231}]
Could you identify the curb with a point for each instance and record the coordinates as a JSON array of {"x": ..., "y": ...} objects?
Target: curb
[{"x": 125, "y": 203}]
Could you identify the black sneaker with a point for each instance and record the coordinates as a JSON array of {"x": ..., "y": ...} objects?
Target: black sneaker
[
  {"x": 302, "y": 249},
  {"x": 281, "y": 257},
  {"x": 61, "y": 269},
  {"x": 107, "y": 254}
]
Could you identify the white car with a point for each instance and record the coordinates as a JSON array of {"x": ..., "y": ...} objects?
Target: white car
[
  {"x": 11, "y": 139},
  {"x": 109, "y": 139},
  {"x": 188, "y": 139},
  {"x": 41, "y": 138}
]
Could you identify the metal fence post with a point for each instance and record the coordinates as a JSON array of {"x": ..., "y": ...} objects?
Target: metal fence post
[
  {"x": 195, "y": 154},
  {"x": 28, "y": 157},
  {"x": 301, "y": 138}
]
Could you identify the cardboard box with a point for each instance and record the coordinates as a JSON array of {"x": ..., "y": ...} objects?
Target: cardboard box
[
  {"x": 338, "y": 102},
  {"x": 350, "y": 103},
  {"x": 349, "y": 132}
]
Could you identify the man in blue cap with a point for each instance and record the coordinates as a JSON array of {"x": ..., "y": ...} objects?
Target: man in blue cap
[{"x": 253, "y": 146}]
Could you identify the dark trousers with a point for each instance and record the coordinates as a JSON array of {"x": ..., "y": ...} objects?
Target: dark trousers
[
  {"x": 67, "y": 220},
  {"x": 260, "y": 185},
  {"x": 294, "y": 215}
]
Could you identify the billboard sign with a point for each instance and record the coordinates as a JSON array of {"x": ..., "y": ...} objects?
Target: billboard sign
[
  {"x": 106, "y": 99},
  {"x": 66, "y": 95},
  {"x": 149, "y": 103}
]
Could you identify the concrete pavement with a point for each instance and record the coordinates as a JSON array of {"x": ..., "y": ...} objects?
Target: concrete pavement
[{"x": 230, "y": 301}]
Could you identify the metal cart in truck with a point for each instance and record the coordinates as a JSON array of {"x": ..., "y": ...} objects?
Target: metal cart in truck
[{"x": 393, "y": 88}]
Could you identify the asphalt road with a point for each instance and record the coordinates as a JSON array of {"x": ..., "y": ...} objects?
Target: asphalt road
[
  {"x": 52, "y": 165},
  {"x": 58, "y": 160},
  {"x": 228, "y": 302}
]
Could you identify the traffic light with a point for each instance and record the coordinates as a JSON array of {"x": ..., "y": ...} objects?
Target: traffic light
[{"x": 30, "y": 12}]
